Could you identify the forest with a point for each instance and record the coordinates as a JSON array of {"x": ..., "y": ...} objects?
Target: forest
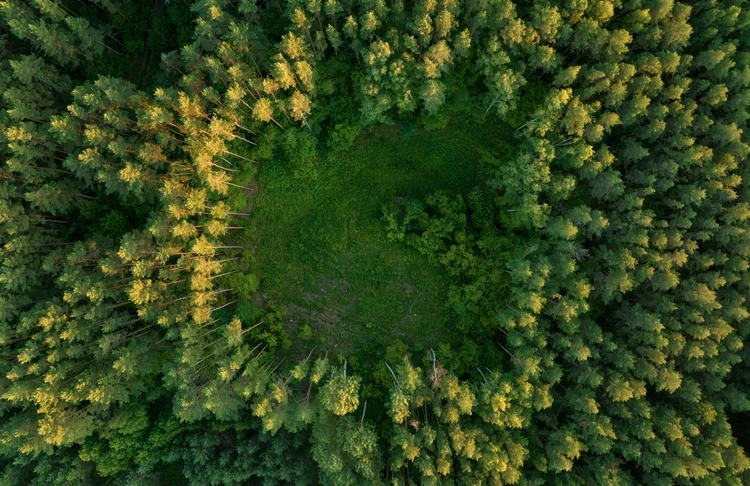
[{"x": 362, "y": 242}]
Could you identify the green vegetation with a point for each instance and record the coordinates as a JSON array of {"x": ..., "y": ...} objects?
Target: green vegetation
[
  {"x": 320, "y": 244},
  {"x": 428, "y": 242}
]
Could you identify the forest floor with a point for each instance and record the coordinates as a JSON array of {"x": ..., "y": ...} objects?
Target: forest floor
[{"x": 321, "y": 248}]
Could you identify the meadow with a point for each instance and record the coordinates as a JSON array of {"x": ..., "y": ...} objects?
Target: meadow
[{"x": 321, "y": 247}]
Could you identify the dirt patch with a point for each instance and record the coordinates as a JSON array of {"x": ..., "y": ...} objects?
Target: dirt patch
[
  {"x": 251, "y": 190},
  {"x": 258, "y": 299},
  {"x": 328, "y": 326},
  {"x": 386, "y": 132},
  {"x": 324, "y": 318},
  {"x": 323, "y": 311},
  {"x": 407, "y": 288}
]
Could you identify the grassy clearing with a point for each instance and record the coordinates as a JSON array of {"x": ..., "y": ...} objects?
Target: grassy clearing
[{"x": 321, "y": 249}]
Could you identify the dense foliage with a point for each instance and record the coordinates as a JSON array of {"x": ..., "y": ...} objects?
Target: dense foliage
[{"x": 590, "y": 249}]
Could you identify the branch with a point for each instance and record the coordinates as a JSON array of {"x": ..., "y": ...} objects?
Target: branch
[
  {"x": 484, "y": 377},
  {"x": 394, "y": 374},
  {"x": 415, "y": 301},
  {"x": 493, "y": 102},
  {"x": 525, "y": 124}
]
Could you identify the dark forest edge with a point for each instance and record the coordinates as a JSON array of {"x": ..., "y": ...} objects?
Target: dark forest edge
[{"x": 599, "y": 270}]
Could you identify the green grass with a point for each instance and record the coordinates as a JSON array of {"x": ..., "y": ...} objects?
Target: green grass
[{"x": 320, "y": 245}]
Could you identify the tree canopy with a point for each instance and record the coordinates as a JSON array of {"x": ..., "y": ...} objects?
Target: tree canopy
[{"x": 582, "y": 207}]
